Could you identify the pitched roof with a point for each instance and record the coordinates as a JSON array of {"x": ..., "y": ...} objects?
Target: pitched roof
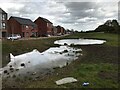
[
  {"x": 46, "y": 20},
  {"x": 2, "y": 11},
  {"x": 24, "y": 21},
  {"x": 58, "y": 26}
]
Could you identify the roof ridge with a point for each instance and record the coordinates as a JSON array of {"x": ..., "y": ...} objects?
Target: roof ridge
[
  {"x": 45, "y": 19},
  {"x": 24, "y": 21},
  {"x": 20, "y": 17},
  {"x": 2, "y": 10}
]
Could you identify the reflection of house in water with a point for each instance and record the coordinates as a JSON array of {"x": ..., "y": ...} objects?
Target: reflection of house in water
[
  {"x": 3, "y": 23},
  {"x": 24, "y": 27}
]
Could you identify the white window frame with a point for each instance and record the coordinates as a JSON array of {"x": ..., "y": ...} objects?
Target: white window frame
[
  {"x": 3, "y": 16},
  {"x": 3, "y": 25},
  {"x": 26, "y": 27}
]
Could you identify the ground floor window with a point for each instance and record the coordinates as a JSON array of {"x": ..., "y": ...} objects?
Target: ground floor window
[{"x": 34, "y": 34}]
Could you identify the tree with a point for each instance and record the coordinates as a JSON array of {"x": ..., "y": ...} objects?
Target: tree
[{"x": 111, "y": 26}]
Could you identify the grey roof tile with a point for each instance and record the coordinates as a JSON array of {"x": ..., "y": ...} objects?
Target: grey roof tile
[{"x": 24, "y": 21}]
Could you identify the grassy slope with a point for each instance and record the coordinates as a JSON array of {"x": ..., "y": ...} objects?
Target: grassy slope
[{"x": 98, "y": 65}]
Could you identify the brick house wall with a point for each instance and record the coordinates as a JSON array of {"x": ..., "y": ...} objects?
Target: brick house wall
[
  {"x": 14, "y": 27},
  {"x": 44, "y": 27}
]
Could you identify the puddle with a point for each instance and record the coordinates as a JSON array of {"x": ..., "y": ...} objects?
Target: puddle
[
  {"x": 79, "y": 42},
  {"x": 43, "y": 62},
  {"x": 35, "y": 61}
]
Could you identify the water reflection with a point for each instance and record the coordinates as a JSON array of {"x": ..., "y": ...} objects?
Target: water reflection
[
  {"x": 79, "y": 41},
  {"x": 36, "y": 61}
]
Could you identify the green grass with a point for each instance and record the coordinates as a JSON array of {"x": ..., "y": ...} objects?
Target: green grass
[
  {"x": 98, "y": 65},
  {"x": 0, "y": 46},
  {"x": 96, "y": 73}
]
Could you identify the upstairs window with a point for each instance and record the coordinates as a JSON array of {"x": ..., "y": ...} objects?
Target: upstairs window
[
  {"x": 47, "y": 24},
  {"x": 26, "y": 27},
  {"x": 3, "y": 25},
  {"x": 3, "y": 17}
]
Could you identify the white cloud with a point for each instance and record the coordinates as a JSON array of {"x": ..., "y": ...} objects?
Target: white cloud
[
  {"x": 90, "y": 10},
  {"x": 15, "y": 6},
  {"x": 78, "y": 15},
  {"x": 86, "y": 19}
]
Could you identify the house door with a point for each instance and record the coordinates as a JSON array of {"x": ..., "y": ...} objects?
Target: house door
[
  {"x": 4, "y": 34},
  {"x": 27, "y": 34},
  {"x": 23, "y": 34}
]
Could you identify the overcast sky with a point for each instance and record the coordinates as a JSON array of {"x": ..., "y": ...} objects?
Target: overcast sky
[{"x": 77, "y": 15}]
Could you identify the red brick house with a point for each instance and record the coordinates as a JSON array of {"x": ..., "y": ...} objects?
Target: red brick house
[
  {"x": 60, "y": 30},
  {"x": 45, "y": 27},
  {"x": 24, "y": 27},
  {"x": 54, "y": 31}
]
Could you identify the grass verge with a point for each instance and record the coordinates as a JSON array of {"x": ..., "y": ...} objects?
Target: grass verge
[{"x": 98, "y": 65}]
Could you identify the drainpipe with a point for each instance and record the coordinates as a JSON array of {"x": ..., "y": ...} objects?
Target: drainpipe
[{"x": 12, "y": 31}]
